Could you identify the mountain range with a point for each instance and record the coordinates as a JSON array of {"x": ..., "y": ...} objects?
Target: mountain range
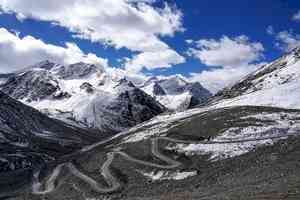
[
  {"x": 88, "y": 96},
  {"x": 166, "y": 138}
]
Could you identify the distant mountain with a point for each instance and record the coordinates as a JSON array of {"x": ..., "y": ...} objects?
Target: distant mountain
[
  {"x": 275, "y": 84},
  {"x": 175, "y": 92},
  {"x": 83, "y": 95}
]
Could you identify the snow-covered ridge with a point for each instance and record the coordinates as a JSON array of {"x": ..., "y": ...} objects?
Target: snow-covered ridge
[
  {"x": 83, "y": 95},
  {"x": 175, "y": 92},
  {"x": 275, "y": 84}
]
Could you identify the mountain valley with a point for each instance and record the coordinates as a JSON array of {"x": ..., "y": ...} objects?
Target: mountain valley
[{"x": 243, "y": 143}]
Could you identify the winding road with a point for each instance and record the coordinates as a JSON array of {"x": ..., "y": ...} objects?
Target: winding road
[{"x": 112, "y": 181}]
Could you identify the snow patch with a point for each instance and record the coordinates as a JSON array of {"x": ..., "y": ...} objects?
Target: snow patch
[
  {"x": 165, "y": 175},
  {"x": 221, "y": 151},
  {"x": 240, "y": 140}
]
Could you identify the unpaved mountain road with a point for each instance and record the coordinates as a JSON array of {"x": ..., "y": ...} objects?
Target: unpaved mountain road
[{"x": 112, "y": 181}]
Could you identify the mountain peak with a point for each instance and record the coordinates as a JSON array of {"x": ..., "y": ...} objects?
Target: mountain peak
[
  {"x": 31, "y": 85},
  {"x": 175, "y": 92},
  {"x": 77, "y": 70},
  {"x": 46, "y": 64},
  {"x": 124, "y": 84}
]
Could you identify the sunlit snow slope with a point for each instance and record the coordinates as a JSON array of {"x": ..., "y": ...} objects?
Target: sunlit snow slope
[{"x": 275, "y": 84}]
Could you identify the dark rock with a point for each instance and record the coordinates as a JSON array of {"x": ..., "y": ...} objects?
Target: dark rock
[
  {"x": 87, "y": 87},
  {"x": 158, "y": 90},
  {"x": 31, "y": 86},
  {"x": 78, "y": 70}
]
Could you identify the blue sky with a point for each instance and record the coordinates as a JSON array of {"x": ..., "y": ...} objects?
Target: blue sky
[{"x": 203, "y": 20}]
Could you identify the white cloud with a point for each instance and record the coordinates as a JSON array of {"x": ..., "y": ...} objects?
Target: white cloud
[
  {"x": 270, "y": 30},
  {"x": 233, "y": 56},
  {"x": 287, "y": 40},
  {"x": 217, "y": 79},
  {"x": 227, "y": 51},
  {"x": 134, "y": 24},
  {"x": 296, "y": 16},
  {"x": 17, "y": 52},
  {"x": 152, "y": 60},
  {"x": 189, "y": 41}
]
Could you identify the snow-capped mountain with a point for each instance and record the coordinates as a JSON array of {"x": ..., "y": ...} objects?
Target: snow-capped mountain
[
  {"x": 82, "y": 94},
  {"x": 275, "y": 84},
  {"x": 175, "y": 92}
]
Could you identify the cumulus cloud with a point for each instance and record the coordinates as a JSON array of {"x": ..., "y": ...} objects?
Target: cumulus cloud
[
  {"x": 135, "y": 25},
  {"x": 152, "y": 60},
  {"x": 219, "y": 78},
  {"x": 227, "y": 51},
  {"x": 287, "y": 40},
  {"x": 296, "y": 16},
  {"x": 270, "y": 30},
  {"x": 234, "y": 58},
  {"x": 17, "y": 52},
  {"x": 189, "y": 41}
]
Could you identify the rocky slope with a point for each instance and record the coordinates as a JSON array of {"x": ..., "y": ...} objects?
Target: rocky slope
[
  {"x": 29, "y": 139},
  {"x": 83, "y": 95},
  {"x": 175, "y": 92},
  {"x": 22, "y": 126}
]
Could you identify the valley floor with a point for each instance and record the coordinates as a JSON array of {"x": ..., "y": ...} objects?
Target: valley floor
[{"x": 155, "y": 160}]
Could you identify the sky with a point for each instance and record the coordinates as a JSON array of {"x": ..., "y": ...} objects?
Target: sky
[{"x": 210, "y": 41}]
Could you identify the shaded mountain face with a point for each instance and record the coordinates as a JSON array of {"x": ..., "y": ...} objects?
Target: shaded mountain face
[
  {"x": 275, "y": 84},
  {"x": 29, "y": 138},
  {"x": 176, "y": 93},
  {"x": 83, "y": 95},
  {"x": 33, "y": 85},
  {"x": 77, "y": 70},
  {"x": 4, "y": 77}
]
